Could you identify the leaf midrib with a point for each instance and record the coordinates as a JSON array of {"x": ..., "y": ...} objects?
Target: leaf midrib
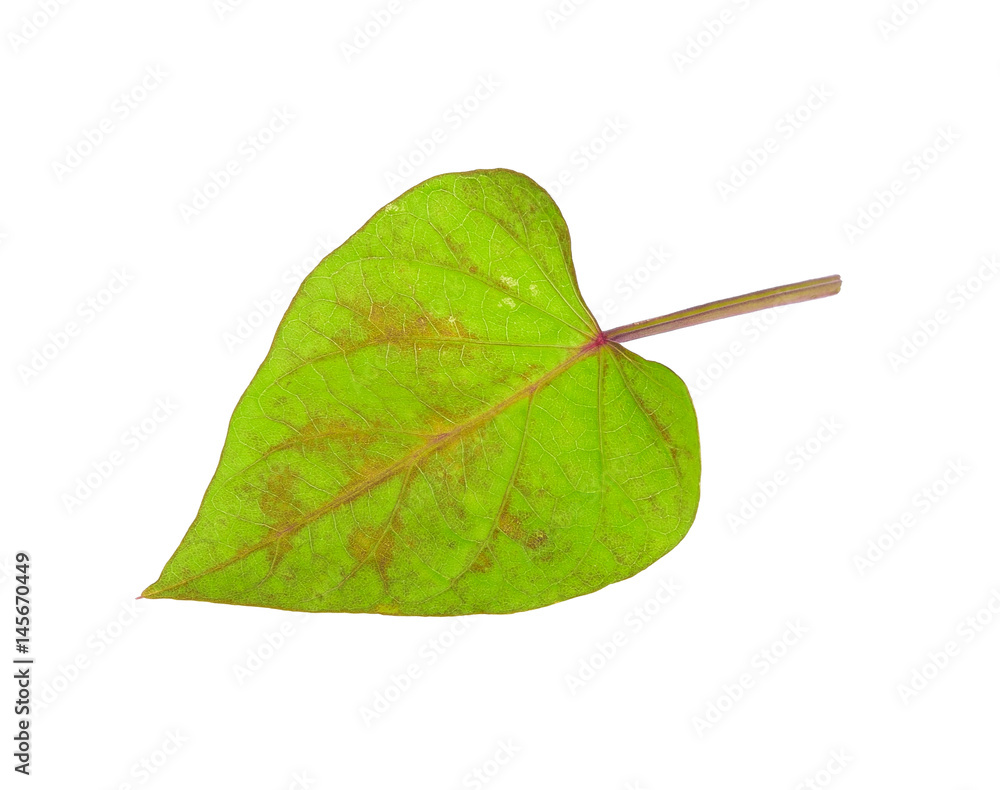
[{"x": 350, "y": 493}]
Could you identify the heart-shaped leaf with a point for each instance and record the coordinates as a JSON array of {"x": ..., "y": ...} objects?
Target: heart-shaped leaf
[{"x": 441, "y": 428}]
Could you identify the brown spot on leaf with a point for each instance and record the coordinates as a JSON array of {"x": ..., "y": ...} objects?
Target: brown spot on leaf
[
  {"x": 384, "y": 552},
  {"x": 322, "y": 432},
  {"x": 397, "y": 322},
  {"x": 359, "y": 544},
  {"x": 483, "y": 561},
  {"x": 510, "y": 525},
  {"x": 663, "y": 431},
  {"x": 461, "y": 248},
  {"x": 537, "y": 540},
  {"x": 562, "y": 233},
  {"x": 278, "y": 502},
  {"x": 279, "y": 549}
]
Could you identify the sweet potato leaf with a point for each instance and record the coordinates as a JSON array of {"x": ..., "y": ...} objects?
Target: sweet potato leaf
[{"x": 441, "y": 428}]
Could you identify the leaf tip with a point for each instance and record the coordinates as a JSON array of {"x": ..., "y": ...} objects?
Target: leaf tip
[{"x": 147, "y": 594}]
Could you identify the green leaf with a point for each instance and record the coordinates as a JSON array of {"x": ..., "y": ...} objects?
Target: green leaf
[{"x": 441, "y": 428}]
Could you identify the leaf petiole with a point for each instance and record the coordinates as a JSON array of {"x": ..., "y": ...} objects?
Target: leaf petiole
[{"x": 726, "y": 308}]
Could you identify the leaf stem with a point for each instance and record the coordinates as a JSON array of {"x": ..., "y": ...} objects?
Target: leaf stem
[{"x": 725, "y": 308}]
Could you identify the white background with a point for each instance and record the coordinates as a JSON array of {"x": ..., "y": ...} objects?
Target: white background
[{"x": 172, "y": 669}]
